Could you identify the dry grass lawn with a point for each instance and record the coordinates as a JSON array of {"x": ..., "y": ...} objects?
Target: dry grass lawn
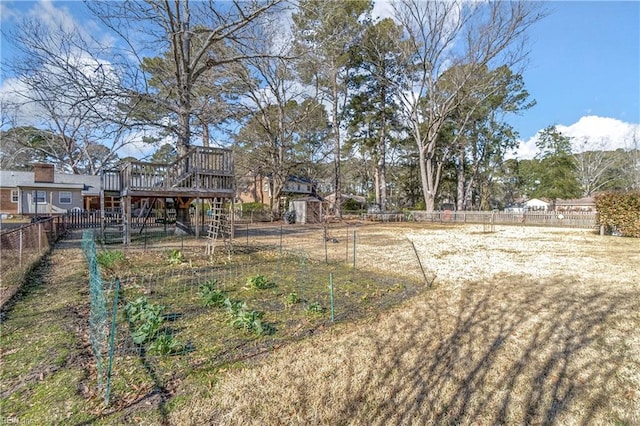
[{"x": 521, "y": 326}]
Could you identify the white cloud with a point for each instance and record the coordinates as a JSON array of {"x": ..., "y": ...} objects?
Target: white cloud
[
  {"x": 590, "y": 132},
  {"x": 382, "y": 9}
]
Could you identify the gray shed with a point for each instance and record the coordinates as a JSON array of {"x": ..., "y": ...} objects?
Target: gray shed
[{"x": 308, "y": 210}]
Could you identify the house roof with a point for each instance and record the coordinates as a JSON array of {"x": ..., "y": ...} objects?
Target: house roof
[
  {"x": 88, "y": 184},
  {"x": 358, "y": 198},
  {"x": 536, "y": 202},
  {"x": 586, "y": 201}
]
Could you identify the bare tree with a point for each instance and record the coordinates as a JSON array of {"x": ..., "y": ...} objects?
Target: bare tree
[
  {"x": 198, "y": 36},
  {"x": 594, "y": 165},
  {"x": 632, "y": 170},
  {"x": 469, "y": 36},
  {"x": 58, "y": 87},
  {"x": 325, "y": 31},
  {"x": 287, "y": 124}
]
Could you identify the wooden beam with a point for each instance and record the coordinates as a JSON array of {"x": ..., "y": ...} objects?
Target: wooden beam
[{"x": 184, "y": 202}]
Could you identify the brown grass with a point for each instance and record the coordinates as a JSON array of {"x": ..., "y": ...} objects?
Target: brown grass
[{"x": 523, "y": 326}]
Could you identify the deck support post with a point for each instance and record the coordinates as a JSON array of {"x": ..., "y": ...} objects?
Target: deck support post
[
  {"x": 126, "y": 226},
  {"x": 197, "y": 217}
]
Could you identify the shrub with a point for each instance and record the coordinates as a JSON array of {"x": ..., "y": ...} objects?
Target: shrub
[
  {"x": 254, "y": 207},
  {"x": 289, "y": 217},
  {"x": 620, "y": 211},
  {"x": 351, "y": 205}
]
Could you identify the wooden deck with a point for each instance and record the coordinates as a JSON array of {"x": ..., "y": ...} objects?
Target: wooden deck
[{"x": 203, "y": 172}]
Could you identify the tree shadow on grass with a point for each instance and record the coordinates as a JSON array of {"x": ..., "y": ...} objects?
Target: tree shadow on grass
[{"x": 525, "y": 353}]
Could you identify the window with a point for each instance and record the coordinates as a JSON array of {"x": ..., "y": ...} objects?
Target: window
[
  {"x": 65, "y": 198},
  {"x": 40, "y": 197},
  {"x": 14, "y": 195}
]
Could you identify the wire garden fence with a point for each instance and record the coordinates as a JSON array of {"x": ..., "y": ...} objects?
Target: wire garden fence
[{"x": 158, "y": 316}]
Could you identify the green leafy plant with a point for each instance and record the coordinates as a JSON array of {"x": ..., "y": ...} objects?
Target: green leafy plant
[
  {"x": 251, "y": 321},
  {"x": 234, "y": 306},
  {"x": 241, "y": 317},
  {"x": 145, "y": 319},
  {"x": 314, "y": 308},
  {"x": 107, "y": 259},
  {"x": 292, "y": 299},
  {"x": 210, "y": 295},
  {"x": 166, "y": 344},
  {"x": 260, "y": 282},
  {"x": 176, "y": 257}
]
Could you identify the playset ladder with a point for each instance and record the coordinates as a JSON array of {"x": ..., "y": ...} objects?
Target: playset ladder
[{"x": 219, "y": 227}]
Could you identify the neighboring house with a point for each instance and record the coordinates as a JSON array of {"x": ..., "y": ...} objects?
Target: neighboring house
[
  {"x": 330, "y": 200},
  {"x": 536, "y": 205},
  {"x": 586, "y": 204},
  {"x": 259, "y": 189},
  {"x": 45, "y": 192}
]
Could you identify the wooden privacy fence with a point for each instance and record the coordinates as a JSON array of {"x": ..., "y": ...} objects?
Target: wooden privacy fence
[
  {"x": 587, "y": 220},
  {"x": 21, "y": 248}
]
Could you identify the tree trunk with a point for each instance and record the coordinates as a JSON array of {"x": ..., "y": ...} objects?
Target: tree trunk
[
  {"x": 460, "y": 189},
  {"x": 382, "y": 168},
  {"x": 426, "y": 167},
  {"x": 376, "y": 183},
  {"x": 205, "y": 133},
  {"x": 336, "y": 153}
]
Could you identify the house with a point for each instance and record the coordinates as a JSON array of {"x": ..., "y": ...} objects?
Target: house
[
  {"x": 43, "y": 191},
  {"x": 356, "y": 200},
  {"x": 586, "y": 204},
  {"x": 259, "y": 189},
  {"x": 535, "y": 204}
]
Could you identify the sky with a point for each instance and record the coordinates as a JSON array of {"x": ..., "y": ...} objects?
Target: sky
[{"x": 583, "y": 69}]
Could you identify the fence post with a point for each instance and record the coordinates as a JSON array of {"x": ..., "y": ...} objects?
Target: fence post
[
  {"x": 112, "y": 338},
  {"x": 20, "y": 247},
  {"x": 354, "y": 249},
  {"x": 326, "y": 255},
  {"x": 39, "y": 238},
  {"x": 331, "y": 296},
  {"x": 346, "y": 254}
]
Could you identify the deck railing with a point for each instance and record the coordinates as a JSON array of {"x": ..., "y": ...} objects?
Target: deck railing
[{"x": 202, "y": 167}]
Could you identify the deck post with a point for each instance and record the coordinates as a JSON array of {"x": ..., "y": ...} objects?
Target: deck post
[
  {"x": 102, "y": 206},
  {"x": 126, "y": 237},
  {"x": 197, "y": 217}
]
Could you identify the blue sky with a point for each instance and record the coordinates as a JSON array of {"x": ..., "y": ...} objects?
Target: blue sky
[
  {"x": 584, "y": 67},
  {"x": 585, "y": 60}
]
